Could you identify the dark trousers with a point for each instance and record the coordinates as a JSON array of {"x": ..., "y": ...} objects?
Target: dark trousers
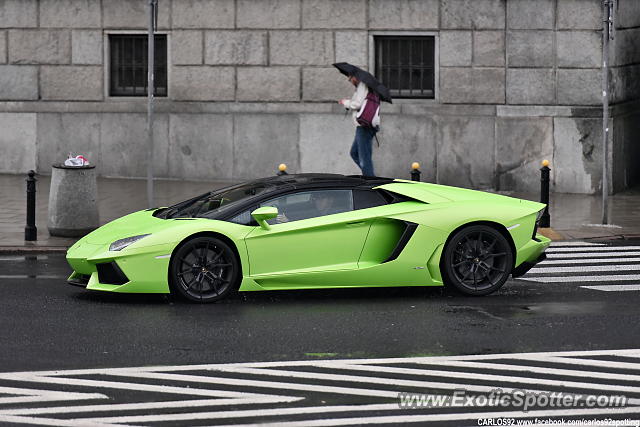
[{"x": 362, "y": 148}]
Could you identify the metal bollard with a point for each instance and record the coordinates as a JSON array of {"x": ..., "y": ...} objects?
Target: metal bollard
[
  {"x": 545, "y": 219},
  {"x": 30, "y": 231},
  {"x": 415, "y": 171},
  {"x": 282, "y": 169}
]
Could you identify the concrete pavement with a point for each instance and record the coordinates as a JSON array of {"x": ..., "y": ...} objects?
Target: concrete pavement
[
  {"x": 573, "y": 216},
  {"x": 116, "y": 197},
  {"x": 348, "y": 354}
]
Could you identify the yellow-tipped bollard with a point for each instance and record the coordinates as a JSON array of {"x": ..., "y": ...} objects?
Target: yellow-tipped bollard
[
  {"x": 545, "y": 219},
  {"x": 415, "y": 171},
  {"x": 282, "y": 169}
]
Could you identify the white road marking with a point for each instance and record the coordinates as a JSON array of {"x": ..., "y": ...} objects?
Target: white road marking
[
  {"x": 476, "y": 376},
  {"x": 564, "y": 244},
  {"x": 265, "y": 384},
  {"x": 149, "y": 412},
  {"x": 613, "y": 288},
  {"x": 592, "y": 254},
  {"x": 150, "y": 405},
  {"x": 248, "y": 413},
  {"x": 587, "y": 362},
  {"x": 569, "y": 279},
  {"x": 395, "y": 419},
  {"x": 587, "y": 261},
  {"x": 592, "y": 259},
  {"x": 128, "y": 386},
  {"x": 500, "y": 366},
  {"x": 50, "y": 421},
  {"x": 585, "y": 269},
  {"x": 358, "y": 421},
  {"x": 379, "y": 380},
  {"x": 25, "y": 395},
  {"x": 594, "y": 249}
]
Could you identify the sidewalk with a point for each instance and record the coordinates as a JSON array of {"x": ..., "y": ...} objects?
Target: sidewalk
[
  {"x": 116, "y": 197},
  {"x": 573, "y": 216}
]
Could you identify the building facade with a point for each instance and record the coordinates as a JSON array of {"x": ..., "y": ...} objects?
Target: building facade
[{"x": 484, "y": 89}]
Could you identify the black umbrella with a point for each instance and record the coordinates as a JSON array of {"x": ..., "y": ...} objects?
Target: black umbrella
[{"x": 366, "y": 78}]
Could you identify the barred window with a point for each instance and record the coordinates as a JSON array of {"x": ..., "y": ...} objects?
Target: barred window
[
  {"x": 128, "y": 65},
  {"x": 405, "y": 64}
]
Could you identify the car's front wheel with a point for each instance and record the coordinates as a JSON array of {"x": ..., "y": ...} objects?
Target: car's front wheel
[
  {"x": 204, "y": 269},
  {"x": 477, "y": 260}
]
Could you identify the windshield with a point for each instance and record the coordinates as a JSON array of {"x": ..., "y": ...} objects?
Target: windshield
[{"x": 210, "y": 204}]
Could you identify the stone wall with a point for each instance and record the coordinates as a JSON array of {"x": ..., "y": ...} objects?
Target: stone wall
[
  {"x": 470, "y": 146},
  {"x": 625, "y": 93},
  {"x": 251, "y": 86}
]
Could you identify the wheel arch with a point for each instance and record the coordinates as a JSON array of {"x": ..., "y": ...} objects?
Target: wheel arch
[
  {"x": 495, "y": 225},
  {"x": 213, "y": 234}
]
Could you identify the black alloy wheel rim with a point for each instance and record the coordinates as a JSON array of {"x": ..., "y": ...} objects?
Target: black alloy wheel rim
[
  {"x": 479, "y": 260},
  {"x": 205, "y": 271}
]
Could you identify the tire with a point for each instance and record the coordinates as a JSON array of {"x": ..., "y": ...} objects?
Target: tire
[
  {"x": 204, "y": 269},
  {"x": 477, "y": 260}
]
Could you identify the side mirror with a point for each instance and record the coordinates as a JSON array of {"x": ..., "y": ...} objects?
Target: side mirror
[{"x": 261, "y": 215}]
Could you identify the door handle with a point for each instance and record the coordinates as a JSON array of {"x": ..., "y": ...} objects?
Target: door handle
[{"x": 353, "y": 223}]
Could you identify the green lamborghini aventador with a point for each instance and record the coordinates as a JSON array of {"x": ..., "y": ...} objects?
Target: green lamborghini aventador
[{"x": 314, "y": 231}]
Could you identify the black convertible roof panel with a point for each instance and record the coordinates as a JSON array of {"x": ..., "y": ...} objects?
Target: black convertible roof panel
[{"x": 322, "y": 180}]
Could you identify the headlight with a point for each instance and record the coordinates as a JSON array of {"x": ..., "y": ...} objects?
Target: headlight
[
  {"x": 540, "y": 213},
  {"x": 119, "y": 245}
]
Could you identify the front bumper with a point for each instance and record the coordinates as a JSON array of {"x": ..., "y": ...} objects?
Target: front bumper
[{"x": 141, "y": 270}]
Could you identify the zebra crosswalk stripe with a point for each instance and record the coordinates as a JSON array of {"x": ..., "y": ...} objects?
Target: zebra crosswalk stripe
[
  {"x": 590, "y": 261},
  {"x": 566, "y": 244},
  {"x": 592, "y": 254},
  {"x": 250, "y": 384},
  {"x": 601, "y": 267},
  {"x": 554, "y": 249},
  {"x": 564, "y": 279},
  {"x": 584, "y": 269},
  {"x": 613, "y": 288}
]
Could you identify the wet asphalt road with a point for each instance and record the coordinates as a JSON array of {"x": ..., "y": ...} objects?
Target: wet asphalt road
[{"x": 47, "y": 324}]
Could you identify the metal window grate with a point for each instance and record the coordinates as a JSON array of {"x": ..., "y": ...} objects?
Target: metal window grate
[
  {"x": 405, "y": 64},
  {"x": 128, "y": 65}
]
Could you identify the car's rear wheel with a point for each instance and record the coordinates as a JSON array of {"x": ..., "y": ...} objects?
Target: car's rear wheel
[
  {"x": 204, "y": 269},
  {"x": 477, "y": 260}
]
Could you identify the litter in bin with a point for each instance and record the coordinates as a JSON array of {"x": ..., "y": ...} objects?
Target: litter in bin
[{"x": 78, "y": 160}]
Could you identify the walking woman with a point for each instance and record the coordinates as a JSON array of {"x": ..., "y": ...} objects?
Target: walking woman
[{"x": 367, "y": 121}]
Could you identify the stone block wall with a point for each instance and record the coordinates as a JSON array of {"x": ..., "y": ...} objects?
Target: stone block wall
[
  {"x": 250, "y": 85},
  {"x": 625, "y": 61}
]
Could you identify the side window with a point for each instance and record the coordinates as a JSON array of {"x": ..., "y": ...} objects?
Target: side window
[
  {"x": 363, "y": 199},
  {"x": 244, "y": 218},
  {"x": 303, "y": 205},
  {"x": 310, "y": 204}
]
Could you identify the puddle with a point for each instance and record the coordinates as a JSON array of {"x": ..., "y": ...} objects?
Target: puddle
[{"x": 501, "y": 312}]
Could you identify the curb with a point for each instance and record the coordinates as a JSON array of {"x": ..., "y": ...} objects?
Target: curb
[
  {"x": 552, "y": 234},
  {"x": 32, "y": 249}
]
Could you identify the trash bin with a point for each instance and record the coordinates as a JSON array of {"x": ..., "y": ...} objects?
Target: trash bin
[{"x": 73, "y": 210}]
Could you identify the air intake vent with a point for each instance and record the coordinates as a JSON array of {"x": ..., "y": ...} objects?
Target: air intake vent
[{"x": 110, "y": 274}]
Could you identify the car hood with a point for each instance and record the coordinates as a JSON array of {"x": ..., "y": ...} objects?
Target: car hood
[{"x": 142, "y": 222}]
